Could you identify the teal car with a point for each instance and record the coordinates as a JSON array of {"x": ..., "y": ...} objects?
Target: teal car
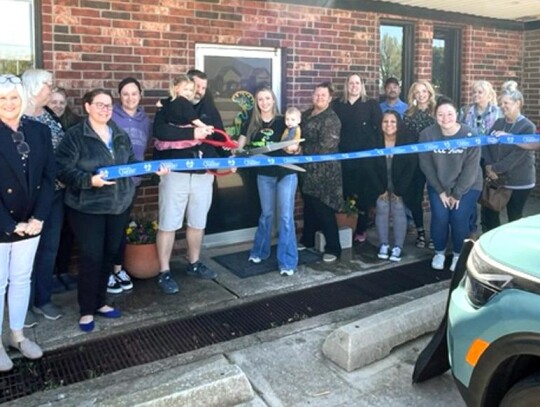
[{"x": 493, "y": 320}]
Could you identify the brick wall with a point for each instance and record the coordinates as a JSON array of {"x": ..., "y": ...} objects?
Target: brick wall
[
  {"x": 91, "y": 43},
  {"x": 531, "y": 85}
]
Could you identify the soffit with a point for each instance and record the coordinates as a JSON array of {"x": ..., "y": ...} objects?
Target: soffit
[{"x": 516, "y": 10}]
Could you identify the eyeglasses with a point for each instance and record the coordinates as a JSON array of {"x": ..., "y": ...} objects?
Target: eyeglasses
[
  {"x": 102, "y": 106},
  {"x": 10, "y": 78},
  {"x": 22, "y": 146}
]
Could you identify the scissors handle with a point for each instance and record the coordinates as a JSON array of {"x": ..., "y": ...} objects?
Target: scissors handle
[{"x": 228, "y": 142}]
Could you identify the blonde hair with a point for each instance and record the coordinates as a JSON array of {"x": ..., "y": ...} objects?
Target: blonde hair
[
  {"x": 8, "y": 86},
  {"x": 510, "y": 89},
  {"x": 363, "y": 94},
  {"x": 413, "y": 108},
  {"x": 178, "y": 80},
  {"x": 256, "y": 121},
  {"x": 488, "y": 88},
  {"x": 293, "y": 111}
]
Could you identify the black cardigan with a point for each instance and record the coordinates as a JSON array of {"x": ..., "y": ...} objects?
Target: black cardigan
[{"x": 403, "y": 169}]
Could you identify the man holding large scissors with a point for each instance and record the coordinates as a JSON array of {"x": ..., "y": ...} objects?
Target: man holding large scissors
[{"x": 188, "y": 192}]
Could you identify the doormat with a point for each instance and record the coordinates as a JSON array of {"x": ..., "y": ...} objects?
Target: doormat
[{"x": 238, "y": 264}]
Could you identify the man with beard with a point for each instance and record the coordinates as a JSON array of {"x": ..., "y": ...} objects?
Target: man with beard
[
  {"x": 186, "y": 192},
  {"x": 392, "y": 91}
]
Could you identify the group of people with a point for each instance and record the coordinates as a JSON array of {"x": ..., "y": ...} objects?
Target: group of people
[
  {"x": 454, "y": 176},
  {"x": 50, "y": 157}
]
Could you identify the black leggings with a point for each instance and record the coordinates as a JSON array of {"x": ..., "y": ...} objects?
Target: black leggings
[
  {"x": 319, "y": 216},
  {"x": 98, "y": 238},
  {"x": 514, "y": 210}
]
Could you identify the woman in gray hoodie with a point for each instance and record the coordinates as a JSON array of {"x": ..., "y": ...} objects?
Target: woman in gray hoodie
[{"x": 454, "y": 179}]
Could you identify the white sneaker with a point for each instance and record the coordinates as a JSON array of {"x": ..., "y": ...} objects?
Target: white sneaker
[
  {"x": 329, "y": 258},
  {"x": 383, "y": 252},
  {"x": 455, "y": 259},
  {"x": 254, "y": 259},
  {"x": 286, "y": 272},
  {"x": 438, "y": 261},
  {"x": 113, "y": 286},
  {"x": 122, "y": 277},
  {"x": 396, "y": 254}
]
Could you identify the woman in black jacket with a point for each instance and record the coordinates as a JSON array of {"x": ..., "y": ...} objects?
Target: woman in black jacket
[
  {"x": 99, "y": 209},
  {"x": 392, "y": 179},
  {"x": 26, "y": 192}
]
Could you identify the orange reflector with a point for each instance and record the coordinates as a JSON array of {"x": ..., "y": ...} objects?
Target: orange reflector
[{"x": 475, "y": 351}]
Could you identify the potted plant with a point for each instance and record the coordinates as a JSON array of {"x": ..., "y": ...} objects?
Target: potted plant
[
  {"x": 348, "y": 214},
  {"x": 140, "y": 257}
]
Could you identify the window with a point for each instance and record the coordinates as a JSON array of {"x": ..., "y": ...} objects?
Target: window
[
  {"x": 235, "y": 68},
  {"x": 17, "y": 36},
  {"x": 446, "y": 62},
  {"x": 396, "y": 53}
]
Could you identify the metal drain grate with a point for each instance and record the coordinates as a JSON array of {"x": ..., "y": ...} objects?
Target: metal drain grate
[{"x": 94, "y": 358}]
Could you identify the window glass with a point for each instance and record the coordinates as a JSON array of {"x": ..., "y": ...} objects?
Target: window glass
[
  {"x": 391, "y": 53},
  {"x": 446, "y": 62},
  {"x": 17, "y": 52}
]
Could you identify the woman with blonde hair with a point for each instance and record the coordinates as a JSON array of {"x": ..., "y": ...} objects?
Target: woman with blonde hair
[
  {"x": 480, "y": 115},
  {"x": 483, "y": 111},
  {"x": 360, "y": 119},
  {"x": 276, "y": 185},
  {"x": 419, "y": 115}
]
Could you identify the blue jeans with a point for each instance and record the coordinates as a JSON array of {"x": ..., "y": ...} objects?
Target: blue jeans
[
  {"x": 458, "y": 220},
  {"x": 42, "y": 275},
  {"x": 281, "y": 192}
]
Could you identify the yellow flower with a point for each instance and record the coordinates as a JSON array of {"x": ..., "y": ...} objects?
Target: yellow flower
[{"x": 129, "y": 231}]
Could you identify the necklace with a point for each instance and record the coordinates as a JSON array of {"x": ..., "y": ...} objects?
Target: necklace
[{"x": 507, "y": 129}]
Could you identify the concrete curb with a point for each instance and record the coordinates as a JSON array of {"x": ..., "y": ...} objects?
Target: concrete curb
[
  {"x": 214, "y": 382},
  {"x": 367, "y": 340}
]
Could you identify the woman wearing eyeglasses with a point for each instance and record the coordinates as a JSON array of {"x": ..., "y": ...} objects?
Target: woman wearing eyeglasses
[
  {"x": 26, "y": 192},
  {"x": 99, "y": 209}
]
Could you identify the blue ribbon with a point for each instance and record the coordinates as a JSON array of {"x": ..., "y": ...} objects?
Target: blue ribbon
[{"x": 148, "y": 167}]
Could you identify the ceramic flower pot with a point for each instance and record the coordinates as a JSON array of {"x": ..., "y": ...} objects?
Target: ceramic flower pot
[
  {"x": 346, "y": 220},
  {"x": 141, "y": 260}
]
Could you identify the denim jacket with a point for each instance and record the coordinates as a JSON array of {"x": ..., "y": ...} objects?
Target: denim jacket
[{"x": 79, "y": 155}]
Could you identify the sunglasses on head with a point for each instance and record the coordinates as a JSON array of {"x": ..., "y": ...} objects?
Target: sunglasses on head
[{"x": 10, "y": 78}]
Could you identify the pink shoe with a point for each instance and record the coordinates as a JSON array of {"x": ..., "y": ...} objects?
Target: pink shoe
[{"x": 360, "y": 237}]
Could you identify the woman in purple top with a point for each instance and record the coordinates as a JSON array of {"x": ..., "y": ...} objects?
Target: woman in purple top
[{"x": 130, "y": 117}]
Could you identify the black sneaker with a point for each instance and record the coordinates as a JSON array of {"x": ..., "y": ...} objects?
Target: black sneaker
[
  {"x": 421, "y": 239},
  {"x": 113, "y": 286},
  {"x": 199, "y": 270},
  {"x": 123, "y": 279}
]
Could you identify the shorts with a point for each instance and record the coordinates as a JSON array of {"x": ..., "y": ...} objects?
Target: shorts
[{"x": 184, "y": 195}]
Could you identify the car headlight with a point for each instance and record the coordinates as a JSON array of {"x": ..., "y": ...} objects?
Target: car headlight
[{"x": 486, "y": 278}]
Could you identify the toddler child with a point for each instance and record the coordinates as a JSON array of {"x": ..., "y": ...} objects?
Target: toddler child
[{"x": 179, "y": 111}]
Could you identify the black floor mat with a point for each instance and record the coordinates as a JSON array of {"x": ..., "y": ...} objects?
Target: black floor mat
[{"x": 237, "y": 263}]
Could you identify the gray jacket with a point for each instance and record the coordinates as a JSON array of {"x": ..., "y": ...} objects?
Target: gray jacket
[
  {"x": 515, "y": 165},
  {"x": 454, "y": 171}
]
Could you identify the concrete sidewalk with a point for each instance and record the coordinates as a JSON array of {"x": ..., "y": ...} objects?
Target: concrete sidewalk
[{"x": 284, "y": 366}]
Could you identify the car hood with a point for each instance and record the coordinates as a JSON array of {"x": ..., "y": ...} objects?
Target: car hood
[{"x": 515, "y": 244}]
